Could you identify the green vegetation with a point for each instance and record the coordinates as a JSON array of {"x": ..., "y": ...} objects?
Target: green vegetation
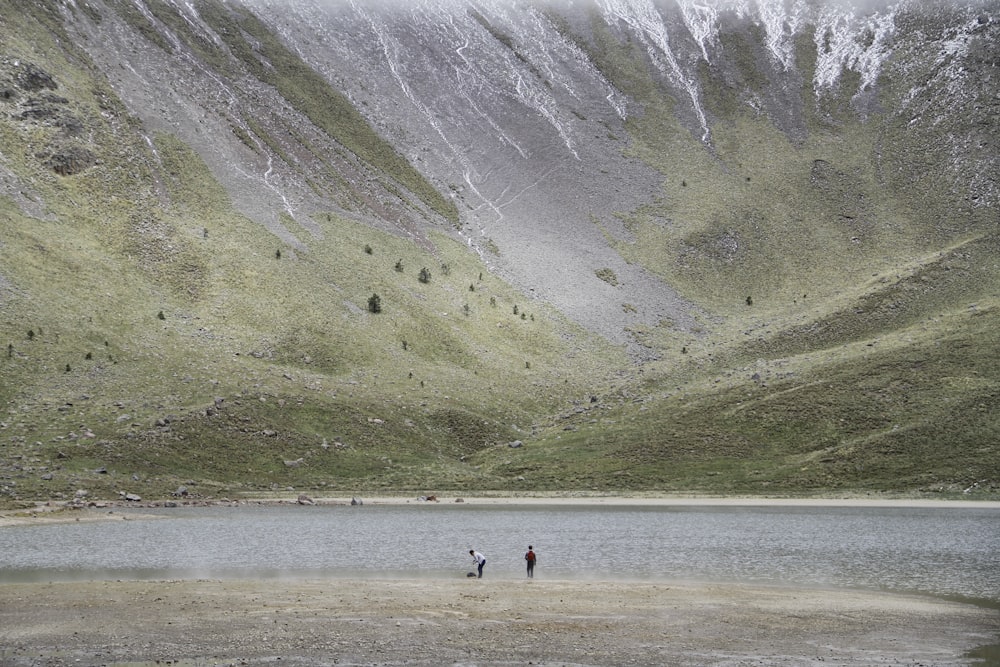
[
  {"x": 846, "y": 324},
  {"x": 608, "y": 276},
  {"x": 266, "y": 362}
]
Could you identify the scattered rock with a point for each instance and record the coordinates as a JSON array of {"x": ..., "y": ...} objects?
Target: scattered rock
[
  {"x": 357, "y": 501},
  {"x": 70, "y": 160},
  {"x": 305, "y": 500},
  {"x": 516, "y": 444},
  {"x": 32, "y": 78}
]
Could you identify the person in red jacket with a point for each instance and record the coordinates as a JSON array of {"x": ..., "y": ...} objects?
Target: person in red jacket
[{"x": 530, "y": 559}]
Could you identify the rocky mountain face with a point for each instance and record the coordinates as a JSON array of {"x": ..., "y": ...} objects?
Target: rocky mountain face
[{"x": 719, "y": 197}]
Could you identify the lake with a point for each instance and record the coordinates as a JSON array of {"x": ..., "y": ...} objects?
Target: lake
[{"x": 943, "y": 551}]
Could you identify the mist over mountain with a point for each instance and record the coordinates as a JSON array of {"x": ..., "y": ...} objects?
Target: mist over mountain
[{"x": 658, "y": 245}]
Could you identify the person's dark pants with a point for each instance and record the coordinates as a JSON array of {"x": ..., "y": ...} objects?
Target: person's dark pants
[
  {"x": 481, "y": 569},
  {"x": 531, "y": 569}
]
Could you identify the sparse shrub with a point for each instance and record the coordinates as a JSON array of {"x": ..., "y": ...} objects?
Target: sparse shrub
[
  {"x": 374, "y": 304},
  {"x": 68, "y": 369},
  {"x": 368, "y": 249},
  {"x": 399, "y": 266},
  {"x": 515, "y": 309},
  {"x": 277, "y": 253},
  {"x": 445, "y": 270},
  {"x": 524, "y": 316},
  {"x": 608, "y": 276},
  {"x": 466, "y": 309},
  {"x": 161, "y": 316},
  {"x": 31, "y": 334},
  {"x": 493, "y": 301},
  {"x": 472, "y": 288},
  {"x": 424, "y": 276},
  {"x": 527, "y": 365},
  {"x": 10, "y": 350},
  {"x": 749, "y": 301},
  {"x": 89, "y": 356},
  {"x": 406, "y": 345}
]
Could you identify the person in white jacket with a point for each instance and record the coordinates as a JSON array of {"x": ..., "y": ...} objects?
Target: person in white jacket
[{"x": 479, "y": 560}]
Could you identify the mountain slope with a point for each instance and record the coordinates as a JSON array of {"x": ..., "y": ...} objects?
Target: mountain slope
[{"x": 256, "y": 245}]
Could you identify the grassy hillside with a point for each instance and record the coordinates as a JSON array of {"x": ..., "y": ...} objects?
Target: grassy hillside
[
  {"x": 122, "y": 368},
  {"x": 849, "y": 331},
  {"x": 155, "y": 337}
]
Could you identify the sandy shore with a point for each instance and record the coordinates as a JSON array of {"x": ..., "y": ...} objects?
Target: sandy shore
[
  {"x": 482, "y": 623},
  {"x": 470, "y": 622}
]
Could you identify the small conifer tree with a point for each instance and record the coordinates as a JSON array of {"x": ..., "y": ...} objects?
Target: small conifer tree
[{"x": 374, "y": 304}]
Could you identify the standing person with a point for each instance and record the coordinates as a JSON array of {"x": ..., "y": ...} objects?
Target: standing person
[
  {"x": 479, "y": 560},
  {"x": 530, "y": 558}
]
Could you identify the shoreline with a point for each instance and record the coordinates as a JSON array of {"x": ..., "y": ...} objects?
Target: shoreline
[
  {"x": 50, "y": 512},
  {"x": 666, "y": 501}
]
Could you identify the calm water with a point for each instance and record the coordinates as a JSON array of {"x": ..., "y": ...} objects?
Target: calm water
[{"x": 942, "y": 551}]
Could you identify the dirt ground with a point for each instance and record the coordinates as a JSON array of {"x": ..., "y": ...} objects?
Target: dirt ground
[{"x": 472, "y": 622}]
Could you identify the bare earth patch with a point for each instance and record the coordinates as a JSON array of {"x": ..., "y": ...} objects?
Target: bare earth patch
[{"x": 477, "y": 622}]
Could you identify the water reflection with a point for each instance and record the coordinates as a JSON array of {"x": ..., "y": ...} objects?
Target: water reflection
[{"x": 943, "y": 551}]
